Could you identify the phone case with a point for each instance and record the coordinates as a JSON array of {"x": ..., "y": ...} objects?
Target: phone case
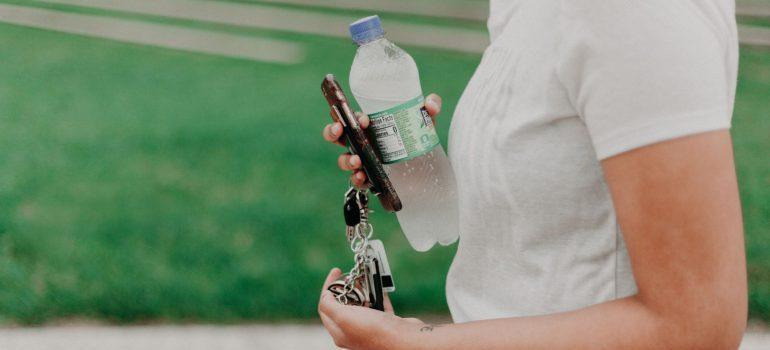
[{"x": 358, "y": 143}]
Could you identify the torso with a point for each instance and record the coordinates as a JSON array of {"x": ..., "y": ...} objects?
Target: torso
[{"x": 538, "y": 230}]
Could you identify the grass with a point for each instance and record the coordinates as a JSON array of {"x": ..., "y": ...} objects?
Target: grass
[
  {"x": 141, "y": 183},
  {"x": 751, "y": 133}
]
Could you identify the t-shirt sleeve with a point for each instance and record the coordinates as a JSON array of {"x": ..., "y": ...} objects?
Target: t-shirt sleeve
[{"x": 641, "y": 72}]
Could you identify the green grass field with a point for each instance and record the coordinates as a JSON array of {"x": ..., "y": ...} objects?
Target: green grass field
[{"x": 139, "y": 183}]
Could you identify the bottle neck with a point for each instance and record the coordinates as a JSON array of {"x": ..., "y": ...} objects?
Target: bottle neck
[{"x": 371, "y": 41}]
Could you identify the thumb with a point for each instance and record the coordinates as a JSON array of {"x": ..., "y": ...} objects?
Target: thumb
[{"x": 333, "y": 275}]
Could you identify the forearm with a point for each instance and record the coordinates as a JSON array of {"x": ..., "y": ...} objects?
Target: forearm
[
  {"x": 684, "y": 235},
  {"x": 620, "y": 324}
]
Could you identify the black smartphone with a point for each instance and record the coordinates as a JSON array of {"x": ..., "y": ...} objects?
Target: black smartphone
[{"x": 358, "y": 143}]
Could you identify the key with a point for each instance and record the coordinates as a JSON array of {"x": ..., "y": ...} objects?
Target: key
[
  {"x": 350, "y": 193},
  {"x": 352, "y": 212},
  {"x": 363, "y": 204},
  {"x": 362, "y": 199}
]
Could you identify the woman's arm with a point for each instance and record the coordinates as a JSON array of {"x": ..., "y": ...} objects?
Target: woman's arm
[{"x": 677, "y": 204}]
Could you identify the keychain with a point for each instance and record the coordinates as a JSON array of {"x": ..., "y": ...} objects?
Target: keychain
[{"x": 370, "y": 276}]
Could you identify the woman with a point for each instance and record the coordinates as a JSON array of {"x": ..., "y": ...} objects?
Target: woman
[{"x": 598, "y": 199}]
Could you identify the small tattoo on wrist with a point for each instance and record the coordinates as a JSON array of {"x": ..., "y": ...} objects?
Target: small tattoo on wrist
[{"x": 428, "y": 327}]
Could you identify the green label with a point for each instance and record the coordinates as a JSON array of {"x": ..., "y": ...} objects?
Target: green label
[{"x": 403, "y": 132}]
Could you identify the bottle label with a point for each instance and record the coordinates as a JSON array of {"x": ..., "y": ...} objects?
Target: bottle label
[{"x": 403, "y": 132}]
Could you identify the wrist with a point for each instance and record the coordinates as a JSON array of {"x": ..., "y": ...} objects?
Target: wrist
[{"x": 413, "y": 336}]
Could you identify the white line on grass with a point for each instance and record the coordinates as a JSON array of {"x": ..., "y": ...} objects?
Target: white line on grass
[
  {"x": 291, "y": 20},
  {"x": 160, "y": 35},
  {"x": 754, "y": 35},
  {"x": 467, "y": 10},
  {"x": 475, "y": 11},
  {"x": 758, "y": 10}
]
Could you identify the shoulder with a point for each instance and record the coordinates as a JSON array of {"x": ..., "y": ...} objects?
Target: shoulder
[{"x": 651, "y": 19}]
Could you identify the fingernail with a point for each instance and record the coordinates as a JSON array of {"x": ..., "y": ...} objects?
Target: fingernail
[
  {"x": 336, "y": 128},
  {"x": 432, "y": 103}
]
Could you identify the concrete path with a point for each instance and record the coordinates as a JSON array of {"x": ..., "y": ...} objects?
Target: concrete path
[
  {"x": 253, "y": 337},
  {"x": 160, "y": 35},
  {"x": 202, "y": 337}
]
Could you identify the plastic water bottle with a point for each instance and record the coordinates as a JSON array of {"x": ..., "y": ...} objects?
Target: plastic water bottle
[{"x": 386, "y": 84}]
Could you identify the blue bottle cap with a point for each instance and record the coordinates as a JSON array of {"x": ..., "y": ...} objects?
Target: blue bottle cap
[{"x": 366, "y": 29}]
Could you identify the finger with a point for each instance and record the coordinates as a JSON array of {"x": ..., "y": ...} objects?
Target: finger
[
  {"x": 332, "y": 132},
  {"x": 354, "y": 161},
  {"x": 388, "y": 305},
  {"x": 363, "y": 120},
  {"x": 433, "y": 104},
  {"x": 333, "y": 329},
  {"x": 358, "y": 179},
  {"x": 333, "y": 275},
  {"x": 329, "y": 306},
  {"x": 349, "y": 162}
]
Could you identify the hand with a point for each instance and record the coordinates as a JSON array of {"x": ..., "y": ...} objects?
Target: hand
[
  {"x": 346, "y": 161},
  {"x": 356, "y": 327}
]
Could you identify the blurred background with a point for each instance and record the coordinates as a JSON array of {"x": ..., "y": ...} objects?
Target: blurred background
[{"x": 161, "y": 160}]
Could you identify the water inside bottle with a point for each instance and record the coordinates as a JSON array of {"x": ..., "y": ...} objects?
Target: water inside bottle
[{"x": 384, "y": 76}]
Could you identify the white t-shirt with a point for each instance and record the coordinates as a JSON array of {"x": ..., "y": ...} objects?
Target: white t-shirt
[{"x": 563, "y": 85}]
